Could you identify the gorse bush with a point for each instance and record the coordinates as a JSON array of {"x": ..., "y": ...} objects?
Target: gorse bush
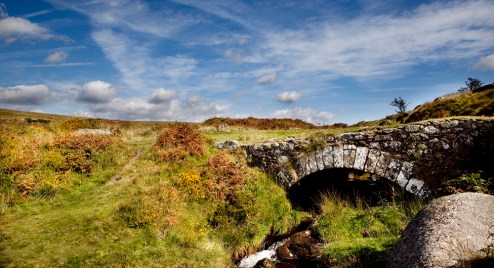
[
  {"x": 178, "y": 142},
  {"x": 218, "y": 178}
]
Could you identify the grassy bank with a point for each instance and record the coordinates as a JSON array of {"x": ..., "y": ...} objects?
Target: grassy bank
[
  {"x": 134, "y": 198},
  {"x": 357, "y": 235}
]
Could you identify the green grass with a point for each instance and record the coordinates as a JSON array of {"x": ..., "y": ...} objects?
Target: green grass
[
  {"x": 360, "y": 236},
  {"x": 129, "y": 211}
]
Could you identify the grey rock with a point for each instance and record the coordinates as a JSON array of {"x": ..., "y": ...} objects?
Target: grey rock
[
  {"x": 228, "y": 144},
  {"x": 447, "y": 232},
  {"x": 218, "y": 144},
  {"x": 430, "y": 130},
  {"x": 223, "y": 128},
  {"x": 88, "y": 131}
]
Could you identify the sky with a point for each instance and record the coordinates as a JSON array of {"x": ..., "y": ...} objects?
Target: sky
[{"x": 188, "y": 60}]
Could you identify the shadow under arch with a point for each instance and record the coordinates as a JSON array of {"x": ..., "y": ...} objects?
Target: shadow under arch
[{"x": 350, "y": 184}]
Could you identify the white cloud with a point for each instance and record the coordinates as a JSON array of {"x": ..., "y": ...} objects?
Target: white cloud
[
  {"x": 267, "y": 78},
  {"x": 26, "y": 95},
  {"x": 162, "y": 96},
  {"x": 13, "y": 29},
  {"x": 307, "y": 114},
  {"x": 485, "y": 63},
  {"x": 83, "y": 114},
  {"x": 289, "y": 96},
  {"x": 194, "y": 108},
  {"x": 59, "y": 56},
  {"x": 97, "y": 92}
]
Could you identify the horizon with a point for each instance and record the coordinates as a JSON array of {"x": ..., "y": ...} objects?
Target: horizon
[{"x": 187, "y": 60}]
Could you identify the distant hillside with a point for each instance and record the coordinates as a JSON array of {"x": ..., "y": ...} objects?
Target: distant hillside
[
  {"x": 260, "y": 123},
  {"x": 458, "y": 104},
  {"x": 478, "y": 103},
  {"x": 12, "y": 114}
]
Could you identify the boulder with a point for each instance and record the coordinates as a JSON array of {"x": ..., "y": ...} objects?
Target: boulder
[{"x": 450, "y": 231}]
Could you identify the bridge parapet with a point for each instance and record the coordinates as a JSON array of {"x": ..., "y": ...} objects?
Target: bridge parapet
[{"x": 419, "y": 157}]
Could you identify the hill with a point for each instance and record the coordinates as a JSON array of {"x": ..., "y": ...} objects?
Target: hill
[
  {"x": 477, "y": 103},
  {"x": 260, "y": 123}
]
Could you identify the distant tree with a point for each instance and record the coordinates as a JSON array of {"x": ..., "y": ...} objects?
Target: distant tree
[
  {"x": 472, "y": 84},
  {"x": 399, "y": 103}
]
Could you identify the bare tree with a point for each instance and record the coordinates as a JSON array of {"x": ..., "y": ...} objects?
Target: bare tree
[
  {"x": 472, "y": 84},
  {"x": 401, "y": 104}
]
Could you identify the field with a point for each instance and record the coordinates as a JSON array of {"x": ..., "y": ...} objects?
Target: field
[{"x": 158, "y": 194}]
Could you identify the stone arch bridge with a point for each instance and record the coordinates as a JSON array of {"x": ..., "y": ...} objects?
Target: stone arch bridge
[{"x": 418, "y": 157}]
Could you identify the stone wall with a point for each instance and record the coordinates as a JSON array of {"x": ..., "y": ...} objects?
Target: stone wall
[{"x": 419, "y": 157}]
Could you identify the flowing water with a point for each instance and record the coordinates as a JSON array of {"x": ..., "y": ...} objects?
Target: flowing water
[{"x": 270, "y": 253}]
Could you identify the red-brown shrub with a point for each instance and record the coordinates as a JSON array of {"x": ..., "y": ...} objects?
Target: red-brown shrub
[{"x": 179, "y": 141}]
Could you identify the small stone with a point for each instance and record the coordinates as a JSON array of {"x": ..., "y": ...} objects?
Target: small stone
[
  {"x": 412, "y": 128},
  {"x": 284, "y": 253},
  {"x": 265, "y": 263}
]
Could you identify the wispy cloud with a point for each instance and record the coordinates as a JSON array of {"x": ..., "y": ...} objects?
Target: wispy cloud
[
  {"x": 267, "y": 78},
  {"x": 384, "y": 45},
  {"x": 57, "y": 57}
]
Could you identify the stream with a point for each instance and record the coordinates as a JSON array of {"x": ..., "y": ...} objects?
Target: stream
[{"x": 300, "y": 247}]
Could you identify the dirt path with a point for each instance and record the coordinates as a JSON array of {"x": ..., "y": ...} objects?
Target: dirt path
[{"x": 118, "y": 176}]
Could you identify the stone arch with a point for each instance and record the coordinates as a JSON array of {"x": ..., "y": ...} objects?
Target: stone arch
[{"x": 349, "y": 156}]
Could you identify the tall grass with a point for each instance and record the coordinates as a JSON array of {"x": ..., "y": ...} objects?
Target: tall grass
[{"x": 358, "y": 235}]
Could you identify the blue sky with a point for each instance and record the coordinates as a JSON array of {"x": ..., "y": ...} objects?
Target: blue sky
[{"x": 188, "y": 60}]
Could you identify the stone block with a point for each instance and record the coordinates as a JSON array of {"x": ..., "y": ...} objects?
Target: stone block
[
  {"x": 415, "y": 186},
  {"x": 348, "y": 157},
  {"x": 301, "y": 167},
  {"x": 338, "y": 157},
  {"x": 360, "y": 158},
  {"x": 312, "y": 162},
  {"x": 327, "y": 157},
  {"x": 319, "y": 160},
  {"x": 382, "y": 164},
  {"x": 401, "y": 179},
  {"x": 372, "y": 159},
  {"x": 394, "y": 168}
]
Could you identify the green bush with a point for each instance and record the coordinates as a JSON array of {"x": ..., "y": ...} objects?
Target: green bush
[{"x": 472, "y": 182}]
